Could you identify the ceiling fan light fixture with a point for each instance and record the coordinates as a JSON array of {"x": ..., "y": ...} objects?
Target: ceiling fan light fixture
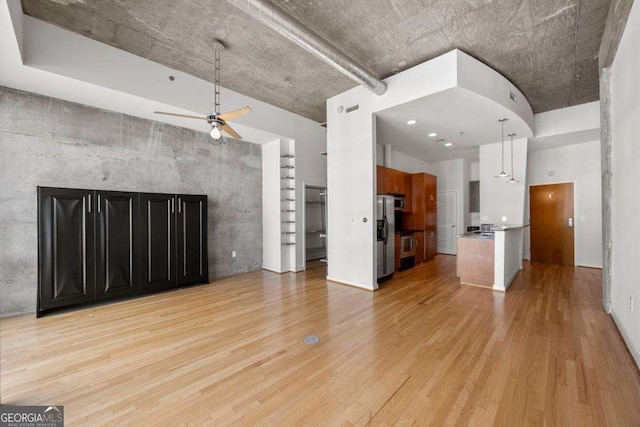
[{"x": 215, "y": 135}]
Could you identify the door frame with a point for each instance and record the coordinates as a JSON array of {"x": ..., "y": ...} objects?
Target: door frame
[
  {"x": 305, "y": 185},
  {"x": 457, "y": 194},
  {"x": 575, "y": 227}
]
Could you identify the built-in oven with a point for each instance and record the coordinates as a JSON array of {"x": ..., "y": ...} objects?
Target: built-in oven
[{"x": 407, "y": 250}]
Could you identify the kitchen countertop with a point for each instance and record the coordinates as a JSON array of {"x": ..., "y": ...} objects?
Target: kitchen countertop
[{"x": 476, "y": 236}]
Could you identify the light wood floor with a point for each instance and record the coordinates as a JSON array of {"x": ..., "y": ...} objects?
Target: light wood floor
[{"x": 422, "y": 349}]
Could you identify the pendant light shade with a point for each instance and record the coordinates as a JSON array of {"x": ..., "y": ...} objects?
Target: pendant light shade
[
  {"x": 502, "y": 173},
  {"x": 512, "y": 180}
]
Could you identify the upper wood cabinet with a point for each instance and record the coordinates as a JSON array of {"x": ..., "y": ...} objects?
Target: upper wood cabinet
[
  {"x": 392, "y": 181},
  {"x": 431, "y": 188}
]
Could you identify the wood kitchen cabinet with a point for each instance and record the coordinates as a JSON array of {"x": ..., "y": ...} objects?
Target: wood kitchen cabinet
[
  {"x": 419, "y": 247},
  {"x": 397, "y": 251},
  {"x": 392, "y": 181},
  {"x": 423, "y": 215}
]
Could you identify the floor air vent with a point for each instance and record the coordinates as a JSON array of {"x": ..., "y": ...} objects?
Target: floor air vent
[{"x": 311, "y": 339}]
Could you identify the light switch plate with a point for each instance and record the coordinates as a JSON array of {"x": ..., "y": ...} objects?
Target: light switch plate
[{"x": 504, "y": 218}]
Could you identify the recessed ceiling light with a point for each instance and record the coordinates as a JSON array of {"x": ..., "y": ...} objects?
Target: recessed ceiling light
[
  {"x": 411, "y": 122},
  {"x": 448, "y": 144},
  {"x": 432, "y": 134}
]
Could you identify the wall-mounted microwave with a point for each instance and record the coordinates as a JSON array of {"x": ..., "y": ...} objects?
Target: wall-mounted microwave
[{"x": 398, "y": 202}]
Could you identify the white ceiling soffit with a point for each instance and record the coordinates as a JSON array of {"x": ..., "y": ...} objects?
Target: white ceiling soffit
[
  {"x": 473, "y": 106},
  {"x": 457, "y": 115},
  {"x": 41, "y": 58},
  {"x": 566, "y": 126}
]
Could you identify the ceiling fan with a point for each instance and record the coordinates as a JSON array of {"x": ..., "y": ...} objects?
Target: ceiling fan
[{"x": 217, "y": 120}]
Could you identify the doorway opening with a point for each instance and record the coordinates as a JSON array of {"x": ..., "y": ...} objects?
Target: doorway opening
[
  {"x": 552, "y": 221},
  {"x": 315, "y": 224}
]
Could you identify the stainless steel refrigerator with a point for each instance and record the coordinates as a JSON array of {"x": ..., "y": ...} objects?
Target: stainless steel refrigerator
[{"x": 385, "y": 237}]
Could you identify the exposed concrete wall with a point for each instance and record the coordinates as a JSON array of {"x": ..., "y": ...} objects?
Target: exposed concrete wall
[
  {"x": 614, "y": 28},
  {"x": 607, "y": 191},
  {"x": 50, "y": 142}
]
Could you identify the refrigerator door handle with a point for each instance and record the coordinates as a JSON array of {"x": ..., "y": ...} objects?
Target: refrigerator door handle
[{"x": 386, "y": 229}]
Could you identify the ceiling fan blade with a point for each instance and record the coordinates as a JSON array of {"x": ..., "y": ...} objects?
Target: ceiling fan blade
[
  {"x": 181, "y": 115},
  {"x": 228, "y": 129},
  {"x": 230, "y": 115}
]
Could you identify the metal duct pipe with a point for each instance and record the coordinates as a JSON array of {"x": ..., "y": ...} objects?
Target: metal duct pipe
[{"x": 278, "y": 21}]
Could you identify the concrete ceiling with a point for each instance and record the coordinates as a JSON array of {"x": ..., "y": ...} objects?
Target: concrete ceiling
[{"x": 547, "y": 48}]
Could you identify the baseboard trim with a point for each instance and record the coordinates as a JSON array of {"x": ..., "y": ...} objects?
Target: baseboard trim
[
  {"x": 349, "y": 283},
  {"x": 589, "y": 266},
  {"x": 625, "y": 336},
  {"x": 273, "y": 270}
]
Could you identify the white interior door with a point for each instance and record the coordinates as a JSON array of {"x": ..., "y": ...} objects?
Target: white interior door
[{"x": 447, "y": 218}]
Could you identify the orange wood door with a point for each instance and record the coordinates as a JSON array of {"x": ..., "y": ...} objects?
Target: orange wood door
[{"x": 551, "y": 208}]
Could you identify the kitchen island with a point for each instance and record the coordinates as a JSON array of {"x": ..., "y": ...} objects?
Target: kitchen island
[{"x": 490, "y": 261}]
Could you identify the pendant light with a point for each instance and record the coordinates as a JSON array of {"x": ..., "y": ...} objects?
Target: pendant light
[
  {"x": 512, "y": 180},
  {"x": 502, "y": 173}
]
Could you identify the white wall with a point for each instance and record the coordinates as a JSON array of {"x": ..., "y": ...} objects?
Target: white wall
[
  {"x": 507, "y": 257},
  {"x": 625, "y": 100},
  {"x": 403, "y": 162},
  {"x": 271, "y": 254},
  {"x": 579, "y": 164},
  {"x": 498, "y": 199}
]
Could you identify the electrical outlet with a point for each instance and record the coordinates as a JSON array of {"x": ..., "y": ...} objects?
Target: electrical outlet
[
  {"x": 631, "y": 303},
  {"x": 233, "y": 254}
]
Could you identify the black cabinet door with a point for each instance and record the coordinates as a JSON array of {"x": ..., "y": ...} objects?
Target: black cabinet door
[
  {"x": 117, "y": 256},
  {"x": 157, "y": 242},
  {"x": 66, "y": 247},
  {"x": 192, "y": 261}
]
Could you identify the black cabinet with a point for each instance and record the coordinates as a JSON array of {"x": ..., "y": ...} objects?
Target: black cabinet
[
  {"x": 97, "y": 245},
  {"x": 65, "y": 247},
  {"x": 158, "y": 242},
  {"x": 192, "y": 265},
  {"x": 117, "y": 254}
]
